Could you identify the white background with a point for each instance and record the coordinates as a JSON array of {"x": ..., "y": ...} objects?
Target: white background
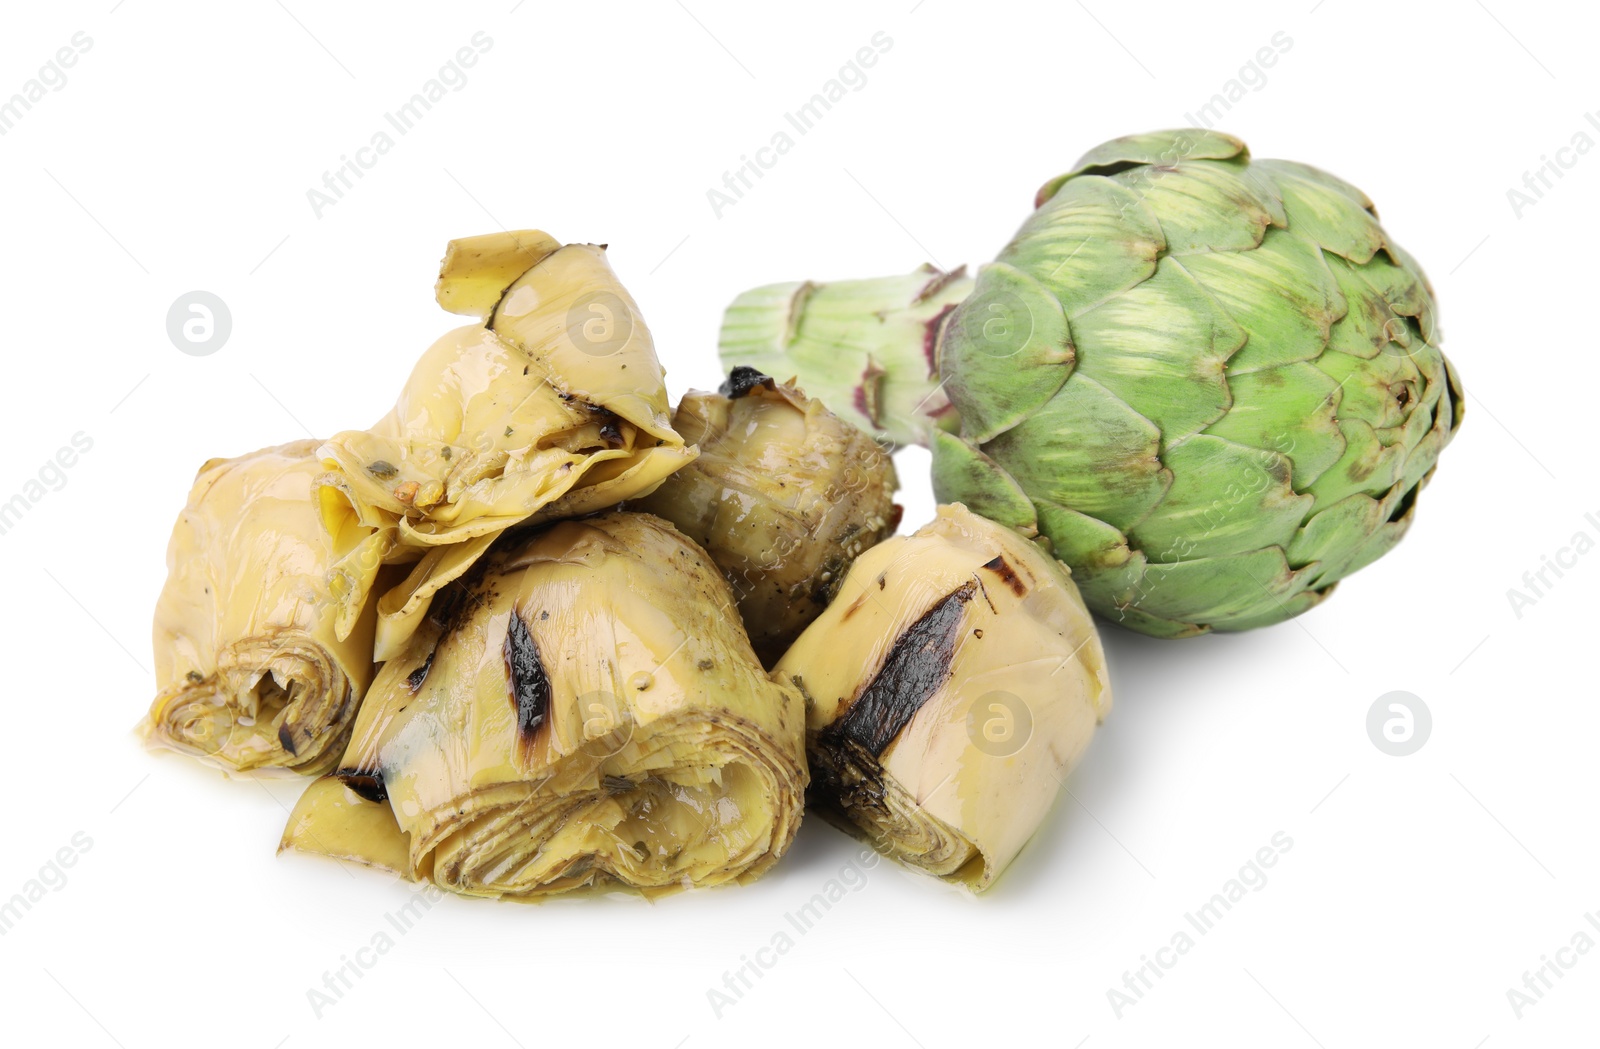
[{"x": 177, "y": 157}]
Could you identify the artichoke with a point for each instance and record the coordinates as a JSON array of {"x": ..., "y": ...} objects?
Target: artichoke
[
  {"x": 250, "y": 670},
  {"x": 783, "y": 496},
  {"x": 1212, "y": 383},
  {"x": 949, "y": 688},
  {"x": 582, "y": 709},
  {"x": 555, "y": 406}
]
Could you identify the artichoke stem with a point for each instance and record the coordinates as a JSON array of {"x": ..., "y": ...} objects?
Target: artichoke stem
[{"x": 866, "y": 348}]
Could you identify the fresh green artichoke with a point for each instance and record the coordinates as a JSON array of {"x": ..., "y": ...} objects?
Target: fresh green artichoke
[{"x": 1212, "y": 384}]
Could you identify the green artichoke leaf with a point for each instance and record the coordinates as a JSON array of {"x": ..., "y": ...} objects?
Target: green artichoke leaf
[
  {"x": 963, "y": 474},
  {"x": 1220, "y": 590},
  {"x": 1293, "y": 410},
  {"x": 1081, "y": 540},
  {"x": 1282, "y": 294},
  {"x": 1457, "y": 400},
  {"x": 1383, "y": 392},
  {"x": 1326, "y": 539},
  {"x": 1005, "y": 351},
  {"x": 1280, "y": 611},
  {"x": 1162, "y": 348},
  {"x": 1203, "y": 205},
  {"x": 1368, "y": 466},
  {"x": 1416, "y": 426},
  {"x": 1093, "y": 239},
  {"x": 1116, "y": 593},
  {"x": 1416, "y": 291},
  {"x": 1145, "y": 622},
  {"x": 1225, "y": 499},
  {"x": 1372, "y": 324},
  {"x": 1425, "y": 455},
  {"x": 1321, "y": 208},
  {"x": 1324, "y": 545},
  {"x": 1380, "y": 542},
  {"x": 1307, "y": 173},
  {"x": 1396, "y": 305},
  {"x": 1429, "y": 362},
  {"x": 1088, "y": 451},
  {"x": 1159, "y": 148}
]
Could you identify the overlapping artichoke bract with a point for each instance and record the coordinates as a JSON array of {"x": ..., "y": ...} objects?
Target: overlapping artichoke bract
[
  {"x": 554, "y": 406},
  {"x": 582, "y": 709},
  {"x": 1212, "y": 383}
]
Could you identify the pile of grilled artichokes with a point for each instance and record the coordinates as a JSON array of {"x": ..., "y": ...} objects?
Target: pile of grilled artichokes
[{"x": 534, "y": 632}]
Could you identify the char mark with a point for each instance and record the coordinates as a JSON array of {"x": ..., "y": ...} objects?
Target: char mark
[
  {"x": 1008, "y": 575},
  {"x": 917, "y": 666},
  {"x": 415, "y": 679},
  {"x": 742, "y": 380},
  {"x": 368, "y": 785},
  {"x": 530, "y": 685}
]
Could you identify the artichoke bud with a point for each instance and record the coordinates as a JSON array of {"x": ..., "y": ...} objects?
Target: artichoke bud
[
  {"x": 950, "y": 687},
  {"x": 251, "y": 670},
  {"x": 553, "y": 406},
  {"x": 783, "y": 496},
  {"x": 581, "y": 709},
  {"x": 1212, "y": 382}
]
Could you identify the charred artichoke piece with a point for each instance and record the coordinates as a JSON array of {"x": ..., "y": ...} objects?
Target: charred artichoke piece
[
  {"x": 250, "y": 670},
  {"x": 784, "y": 496},
  {"x": 554, "y": 406},
  {"x": 583, "y": 709},
  {"x": 951, "y": 685}
]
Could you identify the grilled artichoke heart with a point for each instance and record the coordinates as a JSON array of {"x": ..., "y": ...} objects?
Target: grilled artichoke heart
[
  {"x": 784, "y": 496},
  {"x": 250, "y": 671},
  {"x": 583, "y": 709},
  {"x": 951, "y": 685},
  {"x": 554, "y": 406}
]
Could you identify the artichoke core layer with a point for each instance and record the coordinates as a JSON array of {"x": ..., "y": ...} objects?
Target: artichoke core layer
[
  {"x": 852, "y": 792},
  {"x": 583, "y": 709},
  {"x": 951, "y": 686},
  {"x": 250, "y": 670}
]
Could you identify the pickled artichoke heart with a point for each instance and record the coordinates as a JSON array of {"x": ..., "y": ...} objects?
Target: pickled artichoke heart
[
  {"x": 582, "y": 709},
  {"x": 250, "y": 669},
  {"x": 555, "y": 406},
  {"x": 951, "y": 685},
  {"x": 784, "y": 496}
]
